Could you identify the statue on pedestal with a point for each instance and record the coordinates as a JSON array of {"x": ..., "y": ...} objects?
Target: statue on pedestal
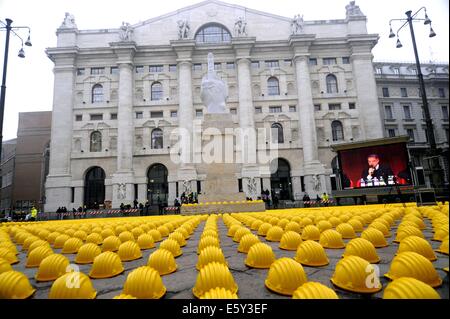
[
  {"x": 240, "y": 27},
  {"x": 183, "y": 29},
  {"x": 352, "y": 10},
  {"x": 297, "y": 24},
  {"x": 214, "y": 91},
  {"x": 125, "y": 32},
  {"x": 122, "y": 191},
  {"x": 69, "y": 21}
]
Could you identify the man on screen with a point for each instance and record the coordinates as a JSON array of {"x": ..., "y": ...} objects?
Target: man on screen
[{"x": 376, "y": 169}]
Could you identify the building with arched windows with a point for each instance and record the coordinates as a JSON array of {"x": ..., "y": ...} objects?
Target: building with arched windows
[{"x": 119, "y": 95}]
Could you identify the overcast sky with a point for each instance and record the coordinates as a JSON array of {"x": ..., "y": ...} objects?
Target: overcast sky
[{"x": 30, "y": 80}]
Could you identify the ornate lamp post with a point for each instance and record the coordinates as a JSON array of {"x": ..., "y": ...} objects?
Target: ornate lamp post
[
  {"x": 434, "y": 152},
  {"x": 7, "y": 26}
]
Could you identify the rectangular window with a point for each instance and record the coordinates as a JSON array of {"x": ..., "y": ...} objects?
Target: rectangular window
[
  {"x": 441, "y": 92},
  {"x": 113, "y": 116},
  {"x": 255, "y": 64},
  {"x": 385, "y": 92},
  {"x": 410, "y": 133},
  {"x": 114, "y": 70},
  {"x": 292, "y": 108},
  {"x": 97, "y": 71},
  {"x": 329, "y": 61},
  {"x": 78, "y": 117},
  {"x": 96, "y": 117},
  {"x": 317, "y": 107},
  {"x": 172, "y": 68},
  {"x": 258, "y": 109},
  {"x": 312, "y": 61},
  {"x": 396, "y": 71},
  {"x": 233, "y": 111},
  {"x": 197, "y": 66},
  {"x": 217, "y": 66},
  {"x": 334, "y": 106},
  {"x": 388, "y": 112},
  {"x": 156, "y": 68},
  {"x": 351, "y": 106},
  {"x": 407, "y": 111},
  {"x": 198, "y": 113},
  {"x": 156, "y": 114},
  {"x": 378, "y": 70},
  {"x": 345, "y": 60},
  {"x": 80, "y": 71},
  {"x": 275, "y": 109},
  {"x": 139, "y": 69},
  {"x": 272, "y": 64},
  {"x": 240, "y": 189},
  {"x": 288, "y": 62},
  {"x": 391, "y": 132},
  {"x": 231, "y": 66},
  {"x": 173, "y": 113},
  {"x": 139, "y": 115},
  {"x": 403, "y": 92},
  {"x": 444, "y": 112}
]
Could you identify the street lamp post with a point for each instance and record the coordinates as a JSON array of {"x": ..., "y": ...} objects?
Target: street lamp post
[
  {"x": 7, "y": 26},
  {"x": 436, "y": 170}
]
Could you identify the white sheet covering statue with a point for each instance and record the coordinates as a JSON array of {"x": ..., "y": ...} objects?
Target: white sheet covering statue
[{"x": 214, "y": 90}]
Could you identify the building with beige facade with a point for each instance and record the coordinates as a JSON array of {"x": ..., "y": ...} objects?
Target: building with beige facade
[{"x": 119, "y": 93}]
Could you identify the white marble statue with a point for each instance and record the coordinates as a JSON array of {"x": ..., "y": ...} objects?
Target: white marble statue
[
  {"x": 121, "y": 194},
  {"x": 69, "y": 21},
  {"x": 252, "y": 187},
  {"x": 187, "y": 187},
  {"x": 316, "y": 182},
  {"x": 240, "y": 27},
  {"x": 297, "y": 24},
  {"x": 352, "y": 10},
  {"x": 183, "y": 29},
  {"x": 125, "y": 32},
  {"x": 214, "y": 90}
]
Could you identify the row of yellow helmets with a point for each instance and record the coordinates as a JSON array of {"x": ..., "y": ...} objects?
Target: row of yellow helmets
[
  {"x": 56, "y": 267},
  {"x": 413, "y": 250},
  {"x": 224, "y": 203}
]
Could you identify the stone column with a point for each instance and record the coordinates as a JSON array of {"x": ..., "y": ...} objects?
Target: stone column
[
  {"x": 183, "y": 49},
  {"x": 79, "y": 197},
  {"x": 142, "y": 193},
  {"x": 366, "y": 88},
  {"x": 125, "y": 53},
  {"x": 311, "y": 164},
  {"x": 58, "y": 184}
]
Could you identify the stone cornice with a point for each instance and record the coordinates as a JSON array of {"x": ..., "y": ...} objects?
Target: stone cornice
[
  {"x": 183, "y": 49},
  {"x": 124, "y": 51},
  {"x": 62, "y": 53}
]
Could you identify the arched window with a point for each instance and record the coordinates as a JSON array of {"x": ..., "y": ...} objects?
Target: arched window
[
  {"x": 273, "y": 87},
  {"x": 157, "y": 138},
  {"x": 157, "y": 187},
  {"x": 213, "y": 33},
  {"x": 157, "y": 91},
  {"x": 280, "y": 179},
  {"x": 332, "y": 86},
  {"x": 277, "y": 133},
  {"x": 96, "y": 141},
  {"x": 337, "y": 131},
  {"x": 97, "y": 93}
]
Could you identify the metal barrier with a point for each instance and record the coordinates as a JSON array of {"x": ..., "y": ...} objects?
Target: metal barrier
[{"x": 90, "y": 214}]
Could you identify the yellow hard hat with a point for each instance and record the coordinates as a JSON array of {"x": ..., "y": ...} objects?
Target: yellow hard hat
[
  {"x": 264, "y": 228},
  {"x": 28, "y": 241},
  {"x": 381, "y": 227},
  {"x": 72, "y": 245},
  {"x": 172, "y": 246},
  {"x": 126, "y": 236},
  {"x": 285, "y": 276},
  {"x": 310, "y": 232},
  {"x": 123, "y": 296},
  {"x": 210, "y": 254},
  {"x": 4, "y": 265},
  {"x": 219, "y": 293},
  {"x": 246, "y": 242},
  {"x": 330, "y": 238},
  {"x": 356, "y": 224},
  {"x": 275, "y": 233},
  {"x": 94, "y": 238},
  {"x": 408, "y": 231},
  {"x": 106, "y": 265},
  {"x": 324, "y": 225},
  {"x": 290, "y": 240},
  {"x": 311, "y": 253},
  {"x": 443, "y": 248},
  {"x": 240, "y": 233},
  {"x": 362, "y": 248},
  {"x": 178, "y": 237},
  {"x": 144, "y": 283},
  {"x": 375, "y": 236},
  {"x": 314, "y": 290},
  {"x": 129, "y": 250},
  {"x": 145, "y": 241},
  {"x": 352, "y": 273},
  {"x": 164, "y": 231},
  {"x": 37, "y": 255},
  {"x": 162, "y": 261},
  {"x": 346, "y": 230},
  {"x": 87, "y": 253},
  {"x": 80, "y": 234},
  {"x": 411, "y": 264},
  {"x": 52, "y": 267},
  {"x": 418, "y": 245},
  {"x": 111, "y": 243},
  {"x": 37, "y": 244},
  {"x": 9, "y": 256},
  {"x": 72, "y": 285},
  {"x": 409, "y": 288},
  {"x": 260, "y": 255},
  {"x": 156, "y": 235},
  {"x": 207, "y": 241},
  {"x": 15, "y": 285},
  {"x": 214, "y": 275}
]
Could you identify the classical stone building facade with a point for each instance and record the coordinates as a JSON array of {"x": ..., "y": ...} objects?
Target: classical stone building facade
[
  {"x": 120, "y": 93},
  {"x": 401, "y": 108}
]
